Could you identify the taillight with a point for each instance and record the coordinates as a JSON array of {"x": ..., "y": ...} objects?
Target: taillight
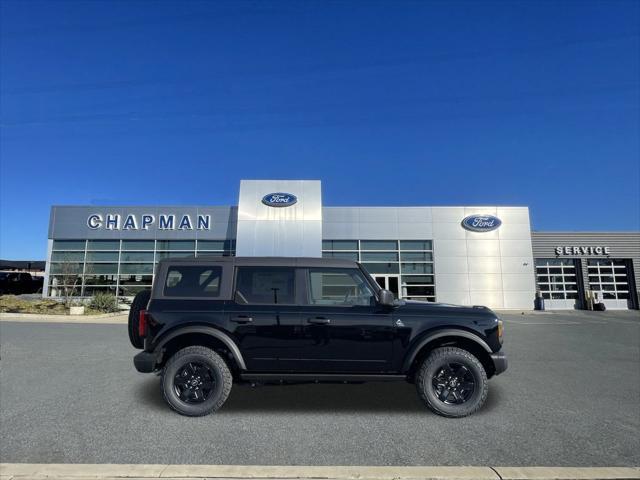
[
  {"x": 500, "y": 331},
  {"x": 142, "y": 323}
]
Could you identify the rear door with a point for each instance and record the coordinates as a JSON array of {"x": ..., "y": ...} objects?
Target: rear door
[
  {"x": 264, "y": 316},
  {"x": 343, "y": 328}
]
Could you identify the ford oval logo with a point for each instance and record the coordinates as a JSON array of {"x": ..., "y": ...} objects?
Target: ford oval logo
[
  {"x": 279, "y": 199},
  {"x": 481, "y": 223}
]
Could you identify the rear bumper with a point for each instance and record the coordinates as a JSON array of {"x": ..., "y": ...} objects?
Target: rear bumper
[
  {"x": 499, "y": 362},
  {"x": 145, "y": 362}
]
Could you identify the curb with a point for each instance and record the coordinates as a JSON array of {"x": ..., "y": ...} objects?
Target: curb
[
  {"x": 25, "y": 471},
  {"x": 108, "y": 318}
]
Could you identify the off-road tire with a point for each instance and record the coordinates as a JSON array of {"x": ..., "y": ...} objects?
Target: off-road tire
[
  {"x": 140, "y": 302},
  {"x": 219, "y": 369},
  {"x": 434, "y": 362}
]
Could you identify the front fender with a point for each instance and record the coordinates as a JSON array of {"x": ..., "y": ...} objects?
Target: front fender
[{"x": 447, "y": 332}]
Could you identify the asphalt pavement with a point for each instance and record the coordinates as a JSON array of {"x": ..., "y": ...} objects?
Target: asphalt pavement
[{"x": 571, "y": 397}]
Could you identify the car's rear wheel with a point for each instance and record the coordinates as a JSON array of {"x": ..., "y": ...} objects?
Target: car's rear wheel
[
  {"x": 452, "y": 382},
  {"x": 140, "y": 302},
  {"x": 196, "y": 381}
]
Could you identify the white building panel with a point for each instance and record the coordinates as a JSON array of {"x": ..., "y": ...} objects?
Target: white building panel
[
  {"x": 484, "y": 264},
  {"x": 415, "y": 214},
  {"x": 265, "y": 230},
  {"x": 448, "y": 231},
  {"x": 450, "y": 265},
  {"x": 514, "y": 231},
  {"x": 492, "y": 299},
  {"x": 450, "y": 248},
  {"x": 485, "y": 282},
  {"x": 483, "y": 248},
  {"x": 415, "y": 231},
  {"x": 452, "y": 282},
  {"x": 521, "y": 265},
  {"x": 516, "y": 248},
  {"x": 518, "y": 300},
  {"x": 456, "y": 298},
  {"x": 517, "y": 282},
  {"x": 447, "y": 214}
]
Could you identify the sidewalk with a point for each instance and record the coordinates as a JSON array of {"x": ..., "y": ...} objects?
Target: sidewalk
[
  {"x": 108, "y": 318},
  {"x": 19, "y": 471}
]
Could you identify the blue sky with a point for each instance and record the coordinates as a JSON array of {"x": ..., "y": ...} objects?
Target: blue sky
[{"x": 388, "y": 103}]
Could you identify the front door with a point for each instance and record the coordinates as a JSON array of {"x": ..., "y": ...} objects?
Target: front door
[
  {"x": 389, "y": 282},
  {"x": 344, "y": 330}
]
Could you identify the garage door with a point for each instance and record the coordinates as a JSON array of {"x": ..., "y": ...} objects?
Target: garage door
[
  {"x": 558, "y": 284},
  {"x": 610, "y": 280}
]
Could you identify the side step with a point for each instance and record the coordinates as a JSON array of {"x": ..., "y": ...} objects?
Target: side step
[{"x": 320, "y": 377}]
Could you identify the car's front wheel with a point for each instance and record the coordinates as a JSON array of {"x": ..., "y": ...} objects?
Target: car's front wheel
[
  {"x": 196, "y": 381},
  {"x": 452, "y": 382}
]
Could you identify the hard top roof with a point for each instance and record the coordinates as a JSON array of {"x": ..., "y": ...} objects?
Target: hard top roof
[{"x": 266, "y": 261}]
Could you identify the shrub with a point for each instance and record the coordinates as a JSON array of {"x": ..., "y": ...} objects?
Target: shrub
[{"x": 104, "y": 302}]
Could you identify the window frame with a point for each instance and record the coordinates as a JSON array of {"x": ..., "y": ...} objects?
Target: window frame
[
  {"x": 160, "y": 280},
  {"x": 204, "y": 269},
  {"x": 297, "y": 290},
  {"x": 361, "y": 272}
]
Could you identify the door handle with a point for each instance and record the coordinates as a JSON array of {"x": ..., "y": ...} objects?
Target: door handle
[
  {"x": 318, "y": 320},
  {"x": 242, "y": 319}
]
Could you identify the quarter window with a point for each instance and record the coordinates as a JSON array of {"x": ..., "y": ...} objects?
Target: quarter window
[
  {"x": 339, "y": 287},
  {"x": 193, "y": 281},
  {"x": 265, "y": 285}
]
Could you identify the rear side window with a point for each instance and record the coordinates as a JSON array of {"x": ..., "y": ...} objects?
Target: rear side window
[
  {"x": 265, "y": 285},
  {"x": 193, "y": 281}
]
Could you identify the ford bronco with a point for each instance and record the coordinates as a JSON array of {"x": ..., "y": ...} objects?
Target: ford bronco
[{"x": 210, "y": 322}]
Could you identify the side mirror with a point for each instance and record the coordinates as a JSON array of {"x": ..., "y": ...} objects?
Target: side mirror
[{"x": 386, "y": 298}]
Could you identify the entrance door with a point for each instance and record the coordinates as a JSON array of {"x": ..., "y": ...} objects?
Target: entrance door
[{"x": 389, "y": 282}]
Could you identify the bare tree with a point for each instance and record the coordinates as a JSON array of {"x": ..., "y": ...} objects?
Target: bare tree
[{"x": 67, "y": 277}]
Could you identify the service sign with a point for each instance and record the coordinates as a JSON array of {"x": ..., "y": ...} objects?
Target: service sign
[
  {"x": 583, "y": 250},
  {"x": 481, "y": 223},
  {"x": 279, "y": 199}
]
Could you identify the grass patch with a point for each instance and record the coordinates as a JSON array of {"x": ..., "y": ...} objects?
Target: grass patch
[{"x": 13, "y": 304}]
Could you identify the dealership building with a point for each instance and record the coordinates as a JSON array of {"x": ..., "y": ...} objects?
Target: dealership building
[{"x": 470, "y": 255}]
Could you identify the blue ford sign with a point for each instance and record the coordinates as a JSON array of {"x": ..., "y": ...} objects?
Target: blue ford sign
[
  {"x": 279, "y": 199},
  {"x": 481, "y": 223}
]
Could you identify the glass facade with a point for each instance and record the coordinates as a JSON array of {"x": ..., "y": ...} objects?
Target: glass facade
[
  {"x": 409, "y": 260},
  {"x": 120, "y": 267}
]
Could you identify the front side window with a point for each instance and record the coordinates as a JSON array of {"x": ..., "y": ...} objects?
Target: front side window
[
  {"x": 265, "y": 285},
  {"x": 193, "y": 281},
  {"x": 339, "y": 286}
]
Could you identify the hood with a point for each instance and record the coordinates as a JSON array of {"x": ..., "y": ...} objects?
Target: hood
[{"x": 415, "y": 306}]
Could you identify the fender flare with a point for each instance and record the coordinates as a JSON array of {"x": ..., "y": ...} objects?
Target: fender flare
[
  {"x": 449, "y": 332},
  {"x": 212, "y": 332}
]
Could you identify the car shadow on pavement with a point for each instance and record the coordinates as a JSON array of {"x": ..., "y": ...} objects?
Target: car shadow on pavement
[{"x": 398, "y": 397}]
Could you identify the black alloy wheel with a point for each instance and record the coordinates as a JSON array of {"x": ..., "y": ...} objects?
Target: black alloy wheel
[
  {"x": 194, "y": 382},
  {"x": 454, "y": 383}
]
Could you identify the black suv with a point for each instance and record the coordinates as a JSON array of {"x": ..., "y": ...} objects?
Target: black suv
[{"x": 208, "y": 322}]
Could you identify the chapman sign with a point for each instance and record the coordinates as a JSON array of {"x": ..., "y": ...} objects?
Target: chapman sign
[
  {"x": 144, "y": 222},
  {"x": 589, "y": 250}
]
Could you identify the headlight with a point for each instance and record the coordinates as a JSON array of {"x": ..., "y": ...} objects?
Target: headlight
[{"x": 500, "y": 331}]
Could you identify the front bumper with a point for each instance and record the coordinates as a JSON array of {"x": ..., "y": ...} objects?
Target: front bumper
[
  {"x": 499, "y": 362},
  {"x": 145, "y": 362}
]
